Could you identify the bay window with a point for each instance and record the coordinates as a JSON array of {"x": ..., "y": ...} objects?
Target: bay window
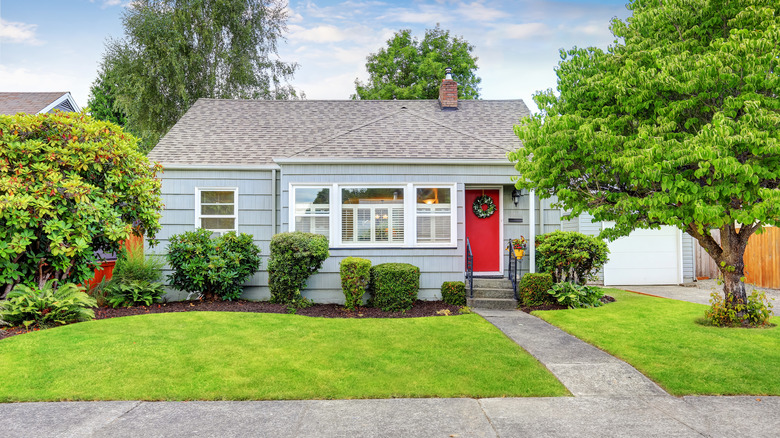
[{"x": 393, "y": 215}]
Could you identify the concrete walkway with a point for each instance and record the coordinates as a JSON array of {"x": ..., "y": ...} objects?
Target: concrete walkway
[
  {"x": 582, "y": 368},
  {"x": 493, "y": 417}
]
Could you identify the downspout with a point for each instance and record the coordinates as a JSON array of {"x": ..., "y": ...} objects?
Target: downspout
[
  {"x": 541, "y": 216},
  {"x": 273, "y": 202},
  {"x": 532, "y": 233}
]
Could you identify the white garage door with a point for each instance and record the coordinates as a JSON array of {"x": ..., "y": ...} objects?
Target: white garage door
[{"x": 645, "y": 257}]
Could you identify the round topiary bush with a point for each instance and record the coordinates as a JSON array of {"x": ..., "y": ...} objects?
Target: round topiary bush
[
  {"x": 533, "y": 288},
  {"x": 570, "y": 256},
  {"x": 453, "y": 293},
  {"x": 394, "y": 286}
]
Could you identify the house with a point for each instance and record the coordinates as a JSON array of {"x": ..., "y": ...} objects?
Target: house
[
  {"x": 36, "y": 102},
  {"x": 390, "y": 181}
]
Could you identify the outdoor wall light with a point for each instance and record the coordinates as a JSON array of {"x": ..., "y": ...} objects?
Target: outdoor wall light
[{"x": 516, "y": 196}]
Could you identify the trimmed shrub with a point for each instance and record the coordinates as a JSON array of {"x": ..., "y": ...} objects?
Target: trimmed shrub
[
  {"x": 295, "y": 256},
  {"x": 46, "y": 307},
  {"x": 453, "y": 293},
  {"x": 394, "y": 286},
  {"x": 756, "y": 312},
  {"x": 216, "y": 267},
  {"x": 575, "y": 296},
  {"x": 570, "y": 256},
  {"x": 355, "y": 278},
  {"x": 533, "y": 288}
]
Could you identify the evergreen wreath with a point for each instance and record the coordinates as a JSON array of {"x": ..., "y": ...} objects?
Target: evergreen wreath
[{"x": 479, "y": 211}]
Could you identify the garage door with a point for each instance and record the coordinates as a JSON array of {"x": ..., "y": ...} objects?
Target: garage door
[{"x": 645, "y": 257}]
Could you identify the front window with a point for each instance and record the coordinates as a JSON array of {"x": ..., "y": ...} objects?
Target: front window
[
  {"x": 434, "y": 215},
  {"x": 312, "y": 210},
  {"x": 217, "y": 209},
  {"x": 372, "y": 215}
]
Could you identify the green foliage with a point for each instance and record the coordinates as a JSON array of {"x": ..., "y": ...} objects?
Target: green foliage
[
  {"x": 575, "y": 296},
  {"x": 133, "y": 265},
  {"x": 212, "y": 266},
  {"x": 533, "y": 289},
  {"x": 677, "y": 123},
  {"x": 394, "y": 286},
  {"x": 755, "y": 313},
  {"x": 412, "y": 69},
  {"x": 102, "y": 103},
  {"x": 355, "y": 278},
  {"x": 47, "y": 306},
  {"x": 177, "y": 51},
  {"x": 453, "y": 293},
  {"x": 570, "y": 256},
  {"x": 70, "y": 185},
  {"x": 133, "y": 293},
  {"x": 294, "y": 258}
]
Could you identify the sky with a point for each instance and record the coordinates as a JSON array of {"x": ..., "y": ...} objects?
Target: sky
[{"x": 57, "y": 45}]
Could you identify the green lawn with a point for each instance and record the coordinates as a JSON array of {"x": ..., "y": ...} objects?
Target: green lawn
[
  {"x": 250, "y": 356},
  {"x": 662, "y": 340}
]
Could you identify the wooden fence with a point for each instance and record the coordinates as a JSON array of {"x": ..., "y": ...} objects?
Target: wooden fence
[{"x": 762, "y": 259}]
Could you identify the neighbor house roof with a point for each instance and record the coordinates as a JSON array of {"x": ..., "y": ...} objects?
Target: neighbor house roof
[
  {"x": 36, "y": 102},
  {"x": 252, "y": 132}
]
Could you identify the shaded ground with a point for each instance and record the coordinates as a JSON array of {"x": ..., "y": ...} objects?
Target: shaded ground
[
  {"x": 528, "y": 309},
  {"x": 420, "y": 309}
]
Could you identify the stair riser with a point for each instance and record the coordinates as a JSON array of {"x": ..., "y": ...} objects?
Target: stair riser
[
  {"x": 494, "y": 293},
  {"x": 491, "y": 304},
  {"x": 492, "y": 283}
]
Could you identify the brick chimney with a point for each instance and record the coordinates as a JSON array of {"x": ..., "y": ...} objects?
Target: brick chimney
[{"x": 448, "y": 92}]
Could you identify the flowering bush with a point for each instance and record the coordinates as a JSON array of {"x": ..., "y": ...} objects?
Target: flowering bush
[{"x": 517, "y": 244}]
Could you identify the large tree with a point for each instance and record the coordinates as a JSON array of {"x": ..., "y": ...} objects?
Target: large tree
[
  {"x": 70, "y": 185},
  {"x": 411, "y": 69},
  {"x": 677, "y": 123},
  {"x": 176, "y": 51}
]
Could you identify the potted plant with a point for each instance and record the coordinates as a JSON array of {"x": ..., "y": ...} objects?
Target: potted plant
[{"x": 518, "y": 245}]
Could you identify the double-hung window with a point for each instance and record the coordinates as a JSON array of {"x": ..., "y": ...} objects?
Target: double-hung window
[
  {"x": 216, "y": 209},
  {"x": 393, "y": 215}
]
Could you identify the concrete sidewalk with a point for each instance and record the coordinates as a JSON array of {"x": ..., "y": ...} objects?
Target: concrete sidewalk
[{"x": 493, "y": 417}]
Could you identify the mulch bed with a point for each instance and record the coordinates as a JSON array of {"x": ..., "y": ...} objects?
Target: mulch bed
[
  {"x": 605, "y": 299},
  {"x": 420, "y": 309}
]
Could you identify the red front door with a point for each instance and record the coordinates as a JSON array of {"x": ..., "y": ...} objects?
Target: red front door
[{"x": 484, "y": 234}]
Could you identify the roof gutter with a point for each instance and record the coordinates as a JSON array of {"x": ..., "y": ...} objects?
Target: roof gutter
[
  {"x": 174, "y": 166},
  {"x": 412, "y": 161}
]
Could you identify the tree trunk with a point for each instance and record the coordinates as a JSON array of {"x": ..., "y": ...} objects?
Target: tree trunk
[{"x": 729, "y": 256}]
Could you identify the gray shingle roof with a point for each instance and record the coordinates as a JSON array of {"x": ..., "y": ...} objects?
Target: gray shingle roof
[
  {"x": 31, "y": 103},
  {"x": 225, "y": 132}
]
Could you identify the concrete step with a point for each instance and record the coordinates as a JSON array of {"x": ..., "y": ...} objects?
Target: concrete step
[
  {"x": 492, "y": 303},
  {"x": 492, "y": 283},
  {"x": 493, "y": 293}
]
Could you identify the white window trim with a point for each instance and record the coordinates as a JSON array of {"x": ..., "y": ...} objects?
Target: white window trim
[
  {"x": 410, "y": 214},
  {"x": 234, "y": 216}
]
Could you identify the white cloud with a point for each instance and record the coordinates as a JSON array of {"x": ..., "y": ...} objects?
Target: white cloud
[
  {"x": 17, "y": 32},
  {"x": 479, "y": 12},
  {"x": 318, "y": 34},
  {"x": 429, "y": 15},
  {"x": 524, "y": 31}
]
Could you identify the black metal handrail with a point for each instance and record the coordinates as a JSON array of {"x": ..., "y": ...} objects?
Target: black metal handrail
[
  {"x": 469, "y": 269},
  {"x": 513, "y": 269}
]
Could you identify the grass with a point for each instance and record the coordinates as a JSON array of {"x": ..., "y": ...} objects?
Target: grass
[
  {"x": 252, "y": 356},
  {"x": 660, "y": 337}
]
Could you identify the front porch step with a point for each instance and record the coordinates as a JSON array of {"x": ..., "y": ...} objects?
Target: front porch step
[
  {"x": 481, "y": 292},
  {"x": 492, "y": 303},
  {"x": 492, "y": 283}
]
